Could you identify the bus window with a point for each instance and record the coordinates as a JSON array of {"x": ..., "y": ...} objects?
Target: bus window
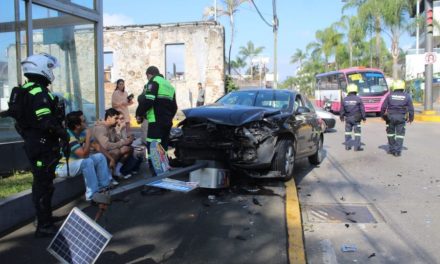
[
  {"x": 369, "y": 83},
  {"x": 342, "y": 82}
]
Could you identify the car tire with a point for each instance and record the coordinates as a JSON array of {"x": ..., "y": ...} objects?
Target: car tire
[
  {"x": 317, "y": 158},
  {"x": 284, "y": 160}
]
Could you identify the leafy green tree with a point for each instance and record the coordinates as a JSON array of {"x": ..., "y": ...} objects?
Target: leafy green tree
[
  {"x": 298, "y": 57},
  {"x": 229, "y": 9},
  {"x": 249, "y": 52},
  {"x": 326, "y": 42},
  {"x": 370, "y": 16},
  {"x": 238, "y": 64},
  {"x": 393, "y": 16},
  {"x": 355, "y": 34}
]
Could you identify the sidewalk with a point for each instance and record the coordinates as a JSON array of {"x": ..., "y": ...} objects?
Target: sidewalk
[{"x": 427, "y": 116}]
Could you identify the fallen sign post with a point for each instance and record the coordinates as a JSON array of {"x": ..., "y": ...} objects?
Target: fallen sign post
[{"x": 138, "y": 185}]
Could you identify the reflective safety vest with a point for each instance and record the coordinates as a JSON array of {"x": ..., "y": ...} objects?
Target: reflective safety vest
[{"x": 165, "y": 93}]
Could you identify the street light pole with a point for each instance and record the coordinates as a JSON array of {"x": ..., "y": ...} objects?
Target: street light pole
[{"x": 428, "y": 49}]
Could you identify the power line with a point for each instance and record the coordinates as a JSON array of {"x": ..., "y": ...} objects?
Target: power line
[{"x": 259, "y": 13}]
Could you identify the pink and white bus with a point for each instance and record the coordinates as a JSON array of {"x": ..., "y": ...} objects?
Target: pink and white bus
[{"x": 331, "y": 87}]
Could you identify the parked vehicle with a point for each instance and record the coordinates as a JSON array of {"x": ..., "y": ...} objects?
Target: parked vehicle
[
  {"x": 328, "y": 119},
  {"x": 331, "y": 88},
  {"x": 260, "y": 132}
]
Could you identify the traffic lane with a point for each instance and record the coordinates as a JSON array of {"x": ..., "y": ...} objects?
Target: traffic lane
[
  {"x": 400, "y": 193},
  {"x": 237, "y": 226}
]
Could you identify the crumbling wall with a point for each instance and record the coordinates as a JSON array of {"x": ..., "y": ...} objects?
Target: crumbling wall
[{"x": 136, "y": 47}]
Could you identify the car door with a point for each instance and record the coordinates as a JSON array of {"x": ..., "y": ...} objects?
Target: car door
[
  {"x": 312, "y": 119},
  {"x": 301, "y": 127}
]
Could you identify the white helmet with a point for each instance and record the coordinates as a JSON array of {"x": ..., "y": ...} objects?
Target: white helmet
[{"x": 40, "y": 64}]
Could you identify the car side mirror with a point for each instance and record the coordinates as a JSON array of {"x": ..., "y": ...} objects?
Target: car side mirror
[{"x": 302, "y": 110}]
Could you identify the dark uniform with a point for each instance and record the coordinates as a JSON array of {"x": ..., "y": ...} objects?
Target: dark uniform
[
  {"x": 158, "y": 106},
  {"x": 352, "y": 111},
  {"x": 42, "y": 130},
  {"x": 394, "y": 110}
]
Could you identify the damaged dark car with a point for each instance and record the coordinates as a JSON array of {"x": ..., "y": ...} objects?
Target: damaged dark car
[{"x": 259, "y": 132}]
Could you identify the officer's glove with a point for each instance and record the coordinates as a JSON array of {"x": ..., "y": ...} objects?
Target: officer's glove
[{"x": 139, "y": 119}]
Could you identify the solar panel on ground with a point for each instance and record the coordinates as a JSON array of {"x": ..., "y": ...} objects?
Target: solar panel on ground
[{"x": 79, "y": 240}]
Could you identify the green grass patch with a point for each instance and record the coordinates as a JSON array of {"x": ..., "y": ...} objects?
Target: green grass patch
[{"x": 15, "y": 184}]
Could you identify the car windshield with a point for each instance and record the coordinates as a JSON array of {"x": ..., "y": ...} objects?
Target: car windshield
[
  {"x": 369, "y": 83},
  {"x": 268, "y": 99},
  {"x": 239, "y": 98}
]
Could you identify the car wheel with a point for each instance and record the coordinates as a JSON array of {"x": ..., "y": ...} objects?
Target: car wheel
[
  {"x": 317, "y": 158},
  {"x": 284, "y": 159}
]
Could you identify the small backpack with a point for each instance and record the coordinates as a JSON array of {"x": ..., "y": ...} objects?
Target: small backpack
[{"x": 18, "y": 103}]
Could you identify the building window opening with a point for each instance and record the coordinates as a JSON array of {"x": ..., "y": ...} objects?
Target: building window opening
[
  {"x": 175, "y": 61},
  {"x": 108, "y": 65}
]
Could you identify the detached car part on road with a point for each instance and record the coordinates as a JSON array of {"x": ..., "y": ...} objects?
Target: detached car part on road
[{"x": 259, "y": 132}]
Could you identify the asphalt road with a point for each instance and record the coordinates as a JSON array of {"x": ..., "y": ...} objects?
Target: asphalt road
[{"x": 385, "y": 209}]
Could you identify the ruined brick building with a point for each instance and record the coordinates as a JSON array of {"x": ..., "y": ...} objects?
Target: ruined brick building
[{"x": 129, "y": 50}]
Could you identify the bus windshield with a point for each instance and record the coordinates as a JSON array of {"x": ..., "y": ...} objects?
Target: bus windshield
[{"x": 369, "y": 83}]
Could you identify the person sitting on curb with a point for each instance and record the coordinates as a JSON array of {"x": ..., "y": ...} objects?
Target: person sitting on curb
[
  {"x": 118, "y": 150},
  {"x": 132, "y": 163},
  {"x": 93, "y": 167}
]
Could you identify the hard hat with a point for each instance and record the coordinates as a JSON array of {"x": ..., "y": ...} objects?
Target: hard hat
[
  {"x": 40, "y": 64},
  {"x": 352, "y": 88},
  {"x": 398, "y": 85}
]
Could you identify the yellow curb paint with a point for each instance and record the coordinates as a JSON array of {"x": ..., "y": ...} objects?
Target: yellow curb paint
[
  {"x": 429, "y": 112},
  {"x": 427, "y": 118},
  {"x": 294, "y": 225}
]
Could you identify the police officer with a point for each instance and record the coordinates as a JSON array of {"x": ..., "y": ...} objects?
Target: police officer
[
  {"x": 158, "y": 106},
  {"x": 42, "y": 131},
  {"x": 352, "y": 111},
  {"x": 397, "y": 109}
]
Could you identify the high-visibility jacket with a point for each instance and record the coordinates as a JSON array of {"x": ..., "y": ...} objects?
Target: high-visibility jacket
[{"x": 159, "y": 103}]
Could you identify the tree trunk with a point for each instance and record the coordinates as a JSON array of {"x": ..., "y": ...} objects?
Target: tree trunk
[
  {"x": 377, "y": 27},
  {"x": 230, "y": 45},
  {"x": 350, "y": 48},
  {"x": 395, "y": 53}
]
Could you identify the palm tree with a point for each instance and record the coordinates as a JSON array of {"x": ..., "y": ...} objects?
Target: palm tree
[
  {"x": 326, "y": 42},
  {"x": 298, "y": 57},
  {"x": 355, "y": 34},
  {"x": 249, "y": 52},
  {"x": 229, "y": 9},
  {"x": 370, "y": 15},
  {"x": 393, "y": 17},
  {"x": 238, "y": 64}
]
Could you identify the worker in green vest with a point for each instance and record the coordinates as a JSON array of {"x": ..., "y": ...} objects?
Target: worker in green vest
[{"x": 158, "y": 106}]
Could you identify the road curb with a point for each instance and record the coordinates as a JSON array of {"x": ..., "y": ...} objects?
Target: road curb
[
  {"x": 428, "y": 116},
  {"x": 294, "y": 225}
]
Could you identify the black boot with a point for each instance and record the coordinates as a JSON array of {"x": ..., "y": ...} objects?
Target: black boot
[
  {"x": 45, "y": 231},
  {"x": 358, "y": 149}
]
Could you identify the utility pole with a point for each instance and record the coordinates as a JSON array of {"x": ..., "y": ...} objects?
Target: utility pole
[
  {"x": 418, "y": 26},
  {"x": 428, "y": 50},
  {"x": 215, "y": 10},
  {"x": 275, "y": 44}
]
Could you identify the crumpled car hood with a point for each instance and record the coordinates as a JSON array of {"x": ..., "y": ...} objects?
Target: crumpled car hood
[{"x": 232, "y": 115}]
